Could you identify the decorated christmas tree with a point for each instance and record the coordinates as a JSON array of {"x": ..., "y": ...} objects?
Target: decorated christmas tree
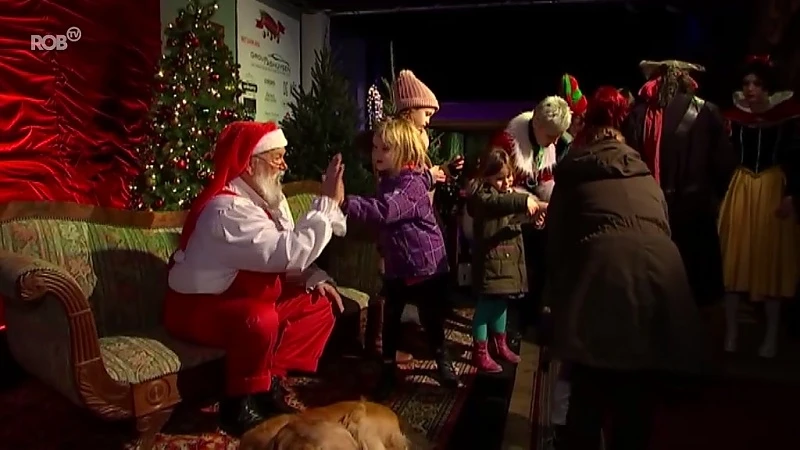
[
  {"x": 323, "y": 121},
  {"x": 197, "y": 95}
]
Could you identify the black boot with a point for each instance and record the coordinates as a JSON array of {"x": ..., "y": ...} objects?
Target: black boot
[
  {"x": 387, "y": 382},
  {"x": 238, "y": 414},
  {"x": 446, "y": 370},
  {"x": 275, "y": 401}
]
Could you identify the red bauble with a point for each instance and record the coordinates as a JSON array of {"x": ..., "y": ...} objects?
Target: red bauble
[
  {"x": 214, "y": 77},
  {"x": 194, "y": 42},
  {"x": 211, "y": 133},
  {"x": 181, "y": 164},
  {"x": 159, "y": 203}
]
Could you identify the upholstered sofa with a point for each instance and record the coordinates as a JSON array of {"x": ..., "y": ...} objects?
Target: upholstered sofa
[{"x": 83, "y": 288}]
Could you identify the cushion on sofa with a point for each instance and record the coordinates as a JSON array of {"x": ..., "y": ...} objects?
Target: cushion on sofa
[{"x": 144, "y": 356}]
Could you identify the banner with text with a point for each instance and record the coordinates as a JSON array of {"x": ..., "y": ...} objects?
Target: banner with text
[{"x": 269, "y": 56}]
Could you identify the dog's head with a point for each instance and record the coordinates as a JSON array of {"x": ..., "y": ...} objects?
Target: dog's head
[
  {"x": 313, "y": 435},
  {"x": 260, "y": 437},
  {"x": 377, "y": 433}
]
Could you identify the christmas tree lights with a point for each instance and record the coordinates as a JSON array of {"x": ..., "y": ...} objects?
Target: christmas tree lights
[{"x": 197, "y": 95}]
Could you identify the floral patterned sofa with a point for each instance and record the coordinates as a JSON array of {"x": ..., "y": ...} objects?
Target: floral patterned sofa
[{"x": 83, "y": 288}]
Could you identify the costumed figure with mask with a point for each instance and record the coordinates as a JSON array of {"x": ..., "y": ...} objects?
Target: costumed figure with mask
[
  {"x": 757, "y": 225},
  {"x": 683, "y": 140},
  {"x": 243, "y": 277}
]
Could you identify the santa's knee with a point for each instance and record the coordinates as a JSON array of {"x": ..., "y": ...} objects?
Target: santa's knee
[{"x": 261, "y": 323}]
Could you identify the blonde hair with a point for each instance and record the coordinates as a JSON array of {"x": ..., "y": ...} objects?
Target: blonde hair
[
  {"x": 553, "y": 114},
  {"x": 404, "y": 139}
]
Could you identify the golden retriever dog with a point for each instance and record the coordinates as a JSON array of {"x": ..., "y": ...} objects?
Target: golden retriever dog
[
  {"x": 373, "y": 426},
  {"x": 305, "y": 434}
]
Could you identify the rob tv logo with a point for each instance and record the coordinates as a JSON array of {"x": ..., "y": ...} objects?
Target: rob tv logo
[{"x": 58, "y": 42}]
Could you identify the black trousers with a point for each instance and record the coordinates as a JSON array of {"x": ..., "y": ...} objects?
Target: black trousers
[
  {"x": 627, "y": 399},
  {"x": 430, "y": 298}
]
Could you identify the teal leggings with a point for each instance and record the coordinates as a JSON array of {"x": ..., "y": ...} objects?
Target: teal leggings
[{"x": 489, "y": 313}]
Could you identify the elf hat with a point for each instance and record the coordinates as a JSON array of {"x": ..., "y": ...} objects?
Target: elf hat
[
  {"x": 237, "y": 143},
  {"x": 571, "y": 92},
  {"x": 410, "y": 92}
]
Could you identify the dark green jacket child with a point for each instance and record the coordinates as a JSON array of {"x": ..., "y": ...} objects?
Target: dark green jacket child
[{"x": 498, "y": 256}]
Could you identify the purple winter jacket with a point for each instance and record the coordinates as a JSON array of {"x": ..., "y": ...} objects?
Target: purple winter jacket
[{"x": 409, "y": 237}]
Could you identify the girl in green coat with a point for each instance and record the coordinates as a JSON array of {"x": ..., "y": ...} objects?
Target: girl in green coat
[{"x": 498, "y": 256}]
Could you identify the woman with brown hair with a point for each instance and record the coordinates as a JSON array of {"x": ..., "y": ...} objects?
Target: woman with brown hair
[{"x": 622, "y": 307}]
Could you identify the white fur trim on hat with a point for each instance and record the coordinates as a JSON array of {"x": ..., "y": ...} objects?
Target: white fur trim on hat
[{"x": 270, "y": 141}]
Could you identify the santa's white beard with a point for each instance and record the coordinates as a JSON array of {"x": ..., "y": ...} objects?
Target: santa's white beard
[{"x": 270, "y": 188}]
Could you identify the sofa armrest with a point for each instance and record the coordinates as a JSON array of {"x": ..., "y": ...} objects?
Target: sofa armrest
[
  {"x": 353, "y": 261},
  {"x": 25, "y": 284}
]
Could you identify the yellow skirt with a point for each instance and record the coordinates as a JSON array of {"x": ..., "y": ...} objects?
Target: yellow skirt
[{"x": 760, "y": 251}]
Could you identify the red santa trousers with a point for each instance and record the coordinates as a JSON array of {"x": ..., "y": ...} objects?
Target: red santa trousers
[{"x": 265, "y": 327}]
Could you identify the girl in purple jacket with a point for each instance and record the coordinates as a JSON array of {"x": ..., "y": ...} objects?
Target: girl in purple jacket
[{"x": 415, "y": 261}]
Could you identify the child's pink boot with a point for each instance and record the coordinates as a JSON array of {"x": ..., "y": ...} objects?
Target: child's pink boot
[
  {"x": 481, "y": 359},
  {"x": 501, "y": 347}
]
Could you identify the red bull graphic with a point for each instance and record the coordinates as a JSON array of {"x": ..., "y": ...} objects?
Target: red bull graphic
[{"x": 272, "y": 29}]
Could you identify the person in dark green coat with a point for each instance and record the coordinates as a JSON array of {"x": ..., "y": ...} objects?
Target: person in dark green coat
[{"x": 498, "y": 255}]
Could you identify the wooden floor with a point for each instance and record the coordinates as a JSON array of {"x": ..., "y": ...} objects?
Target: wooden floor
[{"x": 743, "y": 365}]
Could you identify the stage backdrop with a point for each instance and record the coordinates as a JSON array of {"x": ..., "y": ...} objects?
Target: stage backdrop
[{"x": 269, "y": 53}]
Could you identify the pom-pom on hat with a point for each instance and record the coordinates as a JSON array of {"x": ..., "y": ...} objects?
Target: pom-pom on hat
[
  {"x": 571, "y": 92},
  {"x": 410, "y": 92},
  {"x": 237, "y": 143}
]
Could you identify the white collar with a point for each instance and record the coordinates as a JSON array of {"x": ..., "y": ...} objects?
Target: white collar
[{"x": 774, "y": 100}]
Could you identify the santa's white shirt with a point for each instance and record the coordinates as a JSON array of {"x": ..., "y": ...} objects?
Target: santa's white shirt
[{"x": 242, "y": 232}]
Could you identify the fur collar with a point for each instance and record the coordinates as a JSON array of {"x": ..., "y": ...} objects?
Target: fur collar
[{"x": 523, "y": 153}]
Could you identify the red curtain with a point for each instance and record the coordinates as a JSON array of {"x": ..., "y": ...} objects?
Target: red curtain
[{"x": 71, "y": 120}]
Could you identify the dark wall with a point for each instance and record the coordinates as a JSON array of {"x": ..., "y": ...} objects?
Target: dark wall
[{"x": 520, "y": 53}]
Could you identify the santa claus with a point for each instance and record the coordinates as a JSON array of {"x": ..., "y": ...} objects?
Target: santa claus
[
  {"x": 243, "y": 277},
  {"x": 530, "y": 139}
]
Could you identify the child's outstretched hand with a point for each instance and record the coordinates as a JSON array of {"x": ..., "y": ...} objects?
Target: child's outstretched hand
[
  {"x": 533, "y": 206},
  {"x": 540, "y": 218},
  {"x": 438, "y": 174}
]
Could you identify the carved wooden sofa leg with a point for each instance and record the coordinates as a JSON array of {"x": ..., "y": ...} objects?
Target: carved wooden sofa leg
[{"x": 148, "y": 427}]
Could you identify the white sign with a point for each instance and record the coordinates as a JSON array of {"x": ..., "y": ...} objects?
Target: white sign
[
  {"x": 268, "y": 45},
  {"x": 50, "y": 42}
]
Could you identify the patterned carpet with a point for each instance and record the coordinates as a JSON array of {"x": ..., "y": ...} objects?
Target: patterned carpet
[{"x": 34, "y": 418}]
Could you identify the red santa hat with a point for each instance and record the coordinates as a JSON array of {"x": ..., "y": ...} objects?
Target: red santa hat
[
  {"x": 571, "y": 92},
  {"x": 237, "y": 143}
]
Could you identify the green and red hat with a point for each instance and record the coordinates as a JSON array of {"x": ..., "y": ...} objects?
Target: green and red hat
[{"x": 571, "y": 92}]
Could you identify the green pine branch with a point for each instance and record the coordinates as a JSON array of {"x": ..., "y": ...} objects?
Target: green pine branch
[
  {"x": 197, "y": 94},
  {"x": 323, "y": 121}
]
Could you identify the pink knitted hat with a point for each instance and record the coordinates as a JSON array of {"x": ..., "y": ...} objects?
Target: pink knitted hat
[{"x": 409, "y": 93}]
